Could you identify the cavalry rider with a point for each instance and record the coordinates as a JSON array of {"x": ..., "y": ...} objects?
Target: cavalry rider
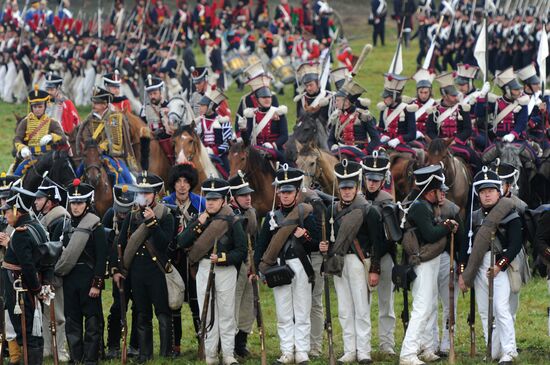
[
  {"x": 313, "y": 100},
  {"x": 351, "y": 126},
  {"x": 475, "y": 261},
  {"x": 464, "y": 81},
  {"x": 507, "y": 114},
  {"x": 110, "y": 131},
  {"x": 357, "y": 237},
  {"x": 155, "y": 113},
  {"x": 425, "y": 101},
  {"x": 60, "y": 107},
  {"x": 266, "y": 124},
  {"x": 37, "y": 133},
  {"x": 199, "y": 78},
  {"x": 112, "y": 82},
  {"x": 537, "y": 109},
  {"x": 214, "y": 130},
  {"x": 450, "y": 119},
  {"x": 397, "y": 118}
]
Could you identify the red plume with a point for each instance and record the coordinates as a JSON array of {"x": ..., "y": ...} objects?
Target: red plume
[{"x": 76, "y": 182}]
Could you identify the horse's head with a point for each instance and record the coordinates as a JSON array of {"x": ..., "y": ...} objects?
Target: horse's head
[
  {"x": 177, "y": 111},
  {"x": 91, "y": 157},
  {"x": 308, "y": 162},
  {"x": 238, "y": 158},
  {"x": 62, "y": 169},
  {"x": 306, "y": 128},
  {"x": 186, "y": 144},
  {"x": 438, "y": 150}
]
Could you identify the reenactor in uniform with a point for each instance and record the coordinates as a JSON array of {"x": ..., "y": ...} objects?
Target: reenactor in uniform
[
  {"x": 49, "y": 206},
  {"x": 464, "y": 81},
  {"x": 82, "y": 266},
  {"x": 377, "y": 19},
  {"x": 214, "y": 55},
  {"x": 37, "y": 133},
  {"x": 357, "y": 240},
  {"x": 216, "y": 237},
  {"x": 60, "y": 108},
  {"x": 497, "y": 213},
  {"x": 397, "y": 118},
  {"x": 287, "y": 236},
  {"x": 112, "y": 83},
  {"x": 22, "y": 273},
  {"x": 418, "y": 340},
  {"x": 199, "y": 78},
  {"x": 144, "y": 238},
  {"x": 376, "y": 167},
  {"x": 110, "y": 131},
  {"x": 309, "y": 77},
  {"x": 425, "y": 101},
  {"x": 241, "y": 203}
]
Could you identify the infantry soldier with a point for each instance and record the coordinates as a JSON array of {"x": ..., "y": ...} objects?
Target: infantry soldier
[
  {"x": 497, "y": 228},
  {"x": 82, "y": 266},
  {"x": 216, "y": 237},
  {"x": 419, "y": 336},
  {"x": 144, "y": 238},
  {"x": 287, "y": 236},
  {"x": 355, "y": 226},
  {"x": 22, "y": 274},
  {"x": 37, "y": 133},
  {"x": 60, "y": 107},
  {"x": 377, "y": 19}
]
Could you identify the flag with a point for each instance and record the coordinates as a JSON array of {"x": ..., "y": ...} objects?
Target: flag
[
  {"x": 480, "y": 50},
  {"x": 396, "y": 66},
  {"x": 543, "y": 54}
]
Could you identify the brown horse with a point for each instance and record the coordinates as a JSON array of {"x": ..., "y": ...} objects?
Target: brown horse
[
  {"x": 458, "y": 176},
  {"x": 188, "y": 147},
  {"x": 402, "y": 166},
  {"x": 259, "y": 172},
  {"x": 95, "y": 174},
  {"x": 318, "y": 167}
]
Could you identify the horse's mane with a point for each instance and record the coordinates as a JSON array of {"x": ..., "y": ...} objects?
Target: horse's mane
[
  {"x": 437, "y": 147},
  {"x": 256, "y": 163},
  {"x": 510, "y": 155}
]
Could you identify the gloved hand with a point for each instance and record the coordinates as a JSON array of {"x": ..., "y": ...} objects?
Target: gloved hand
[
  {"x": 384, "y": 139},
  {"x": 334, "y": 148},
  {"x": 335, "y": 114},
  {"x": 509, "y": 138},
  {"x": 241, "y": 122},
  {"x": 25, "y": 152},
  {"x": 419, "y": 135},
  {"x": 210, "y": 151},
  {"x": 268, "y": 145},
  {"x": 394, "y": 142},
  {"x": 485, "y": 89},
  {"x": 46, "y": 139}
]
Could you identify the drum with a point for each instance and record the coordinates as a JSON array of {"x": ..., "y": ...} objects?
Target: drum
[
  {"x": 253, "y": 59},
  {"x": 282, "y": 69},
  {"x": 235, "y": 63}
]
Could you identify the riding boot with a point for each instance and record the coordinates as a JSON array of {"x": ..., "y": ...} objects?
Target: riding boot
[
  {"x": 165, "y": 332},
  {"x": 35, "y": 355},
  {"x": 144, "y": 144},
  {"x": 73, "y": 330},
  {"x": 92, "y": 339},
  {"x": 240, "y": 344},
  {"x": 145, "y": 338},
  {"x": 167, "y": 148}
]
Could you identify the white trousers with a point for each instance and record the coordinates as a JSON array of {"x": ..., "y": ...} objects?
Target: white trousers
[
  {"x": 419, "y": 333},
  {"x": 293, "y": 307},
  {"x": 11, "y": 335},
  {"x": 504, "y": 334},
  {"x": 317, "y": 314},
  {"x": 443, "y": 291},
  {"x": 354, "y": 307},
  {"x": 386, "y": 313},
  {"x": 224, "y": 328},
  {"x": 244, "y": 301},
  {"x": 59, "y": 322}
]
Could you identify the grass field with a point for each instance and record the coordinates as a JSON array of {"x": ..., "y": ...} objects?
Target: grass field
[{"x": 531, "y": 328}]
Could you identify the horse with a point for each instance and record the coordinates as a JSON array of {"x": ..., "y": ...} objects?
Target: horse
[
  {"x": 188, "y": 147},
  {"x": 95, "y": 174},
  {"x": 458, "y": 176},
  {"x": 318, "y": 167},
  {"x": 307, "y": 129},
  {"x": 57, "y": 164},
  {"x": 259, "y": 172}
]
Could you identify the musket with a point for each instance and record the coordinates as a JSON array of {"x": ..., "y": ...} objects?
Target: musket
[
  {"x": 206, "y": 302},
  {"x": 328, "y": 316},
  {"x": 472, "y": 322},
  {"x": 452, "y": 357},
  {"x": 2, "y": 305},
  {"x": 123, "y": 322},
  {"x": 257, "y": 304},
  {"x": 53, "y": 331},
  {"x": 490, "y": 318}
]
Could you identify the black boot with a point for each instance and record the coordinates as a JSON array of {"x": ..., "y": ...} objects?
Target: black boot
[
  {"x": 92, "y": 339},
  {"x": 165, "y": 332},
  {"x": 240, "y": 344},
  {"x": 145, "y": 339},
  {"x": 35, "y": 355},
  {"x": 73, "y": 331}
]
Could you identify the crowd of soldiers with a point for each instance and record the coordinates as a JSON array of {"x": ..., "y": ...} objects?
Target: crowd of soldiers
[{"x": 211, "y": 249}]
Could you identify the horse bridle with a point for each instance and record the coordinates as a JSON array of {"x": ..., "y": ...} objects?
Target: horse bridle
[
  {"x": 194, "y": 152},
  {"x": 316, "y": 176}
]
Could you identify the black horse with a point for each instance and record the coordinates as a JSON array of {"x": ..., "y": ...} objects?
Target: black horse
[
  {"x": 308, "y": 129},
  {"x": 58, "y": 165}
]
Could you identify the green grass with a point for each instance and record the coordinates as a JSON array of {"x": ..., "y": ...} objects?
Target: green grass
[{"x": 531, "y": 326}]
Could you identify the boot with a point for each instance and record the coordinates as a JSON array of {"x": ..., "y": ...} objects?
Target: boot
[
  {"x": 35, "y": 355},
  {"x": 167, "y": 148},
  {"x": 145, "y": 339},
  {"x": 15, "y": 352},
  {"x": 240, "y": 344},
  {"x": 165, "y": 332},
  {"x": 144, "y": 146},
  {"x": 92, "y": 338},
  {"x": 73, "y": 330}
]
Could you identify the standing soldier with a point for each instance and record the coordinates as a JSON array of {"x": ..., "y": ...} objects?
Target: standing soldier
[
  {"x": 21, "y": 268},
  {"x": 82, "y": 266},
  {"x": 497, "y": 230},
  {"x": 144, "y": 238},
  {"x": 287, "y": 236},
  {"x": 216, "y": 237},
  {"x": 355, "y": 225},
  {"x": 112, "y": 83},
  {"x": 377, "y": 19},
  {"x": 60, "y": 107}
]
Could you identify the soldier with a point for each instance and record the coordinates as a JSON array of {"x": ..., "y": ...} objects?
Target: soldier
[
  {"x": 397, "y": 118},
  {"x": 199, "y": 78},
  {"x": 506, "y": 244},
  {"x": 241, "y": 203},
  {"x": 22, "y": 268},
  {"x": 182, "y": 179},
  {"x": 144, "y": 238},
  {"x": 377, "y": 19},
  {"x": 376, "y": 167},
  {"x": 82, "y": 266},
  {"x": 123, "y": 201},
  {"x": 216, "y": 237},
  {"x": 49, "y": 206},
  {"x": 287, "y": 236},
  {"x": 110, "y": 131},
  {"x": 155, "y": 114},
  {"x": 425, "y": 101},
  {"x": 419, "y": 335},
  {"x": 214, "y": 55},
  {"x": 308, "y": 75},
  {"x": 112, "y": 83},
  {"x": 357, "y": 239},
  {"x": 168, "y": 71},
  {"x": 60, "y": 107},
  {"x": 37, "y": 133},
  {"x": 464, "y": 81}
]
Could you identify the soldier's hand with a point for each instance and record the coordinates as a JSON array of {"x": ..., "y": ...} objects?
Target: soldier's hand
[
  {"x": 94, "y": 293},
  {"x": 214, "y": 258},
  {"x": 373, "y": 279},
  {"x": 323, "y": 246},
  {"x": 117, "y": 278},
  {"x": 299, "y": 232},
  {"x": 25, "y": 152},
  {"x": 496, "y": 270},
  {"x": 252, "y": 277},
  {"x": 4, "y": 239},
  {"x": 462, "y": 284},
  {"x": 148, "y": 213},
  {"x": 203, "y": 217}
]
